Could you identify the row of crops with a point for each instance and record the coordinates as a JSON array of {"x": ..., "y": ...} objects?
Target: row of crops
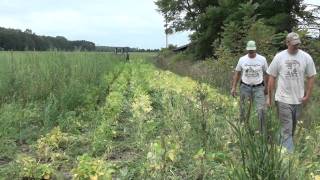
[{"x": 97, "y": 116}]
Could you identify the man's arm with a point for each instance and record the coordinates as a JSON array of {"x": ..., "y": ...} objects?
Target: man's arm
[
  {"x": 236, "y": 78},
  {"x": 310, "y": 82},
  {"x": 271, "y": 83},
  {"x": 265, "y": 76},
  {"x": 265, "y": 80}
]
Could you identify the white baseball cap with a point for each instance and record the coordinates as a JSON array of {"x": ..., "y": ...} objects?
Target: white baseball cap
[
  {"x": 293, "y": 38},
  {"x": 251, "y": 46}
]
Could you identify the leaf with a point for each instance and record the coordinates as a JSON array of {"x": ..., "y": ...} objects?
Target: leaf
[
  {"x": 200, "y": 154},
  {"x": 46, "y": 176},
  {"x": 95, "y": 177},
  {"x": 172, "y": 155}
]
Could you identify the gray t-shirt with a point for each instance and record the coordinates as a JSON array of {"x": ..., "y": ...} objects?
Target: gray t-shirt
[
  {"x": 291, "y": 70},
  {"x": 252, "y": 69}
]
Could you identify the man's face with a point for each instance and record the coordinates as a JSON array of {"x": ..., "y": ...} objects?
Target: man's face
[
  {"x": 293, "y": 49},
  {"x": 252, "y": 53}
]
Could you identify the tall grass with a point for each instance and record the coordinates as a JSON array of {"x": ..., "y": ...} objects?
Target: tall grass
[
  {"x": 41, "y": 90},
  {"x": 32, "y": 76}
]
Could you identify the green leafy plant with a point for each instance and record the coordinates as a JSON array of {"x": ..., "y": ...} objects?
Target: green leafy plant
[{"x": 92, "y": 168}]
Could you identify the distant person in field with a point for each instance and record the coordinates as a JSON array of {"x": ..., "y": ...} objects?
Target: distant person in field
[
  {"x": 251, "y": 71},
  {"x": 127, "y": 56},
  {"x": 290, "y": 67}
]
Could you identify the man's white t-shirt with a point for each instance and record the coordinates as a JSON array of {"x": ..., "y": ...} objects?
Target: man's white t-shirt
[
  {"x": 291, "y": 70},
  {"x": 252, "y": 69}
]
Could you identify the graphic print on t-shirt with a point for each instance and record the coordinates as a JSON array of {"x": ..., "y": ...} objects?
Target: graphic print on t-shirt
[
  {"x": 292, "y": 69},
  {"x": 252, "y": 70}
]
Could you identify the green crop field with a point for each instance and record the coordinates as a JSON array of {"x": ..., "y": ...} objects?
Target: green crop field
[{"x": 96, "y": 116}]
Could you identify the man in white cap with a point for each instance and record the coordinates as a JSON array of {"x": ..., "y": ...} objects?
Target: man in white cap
[
  {"x": 251, "y": 68},
  {"x": 290, "y": 67}
]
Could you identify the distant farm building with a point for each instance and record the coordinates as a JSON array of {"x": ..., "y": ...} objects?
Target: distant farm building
[{"x": 181, "y": 48}]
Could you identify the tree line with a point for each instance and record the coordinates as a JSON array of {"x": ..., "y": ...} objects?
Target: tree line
[{"x": 17, "y": 40}]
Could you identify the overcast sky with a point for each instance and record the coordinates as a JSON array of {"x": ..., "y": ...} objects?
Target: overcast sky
[{"x": 104, "y": 22}]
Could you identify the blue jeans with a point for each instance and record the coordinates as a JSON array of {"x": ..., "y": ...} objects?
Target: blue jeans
[{"x": 255, "y": 94}]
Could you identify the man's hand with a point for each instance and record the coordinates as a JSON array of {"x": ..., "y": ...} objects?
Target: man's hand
[
  {"x": 233, "y": 92},
  {"x": 305, "y": 99},
  {"x": 310, "y": 82},
  {"x": 265, "y": 91},
  {"x": 235, "y": 80},
  {"x": 269, "y": 102},
  {"x": 271, "y": 83}
]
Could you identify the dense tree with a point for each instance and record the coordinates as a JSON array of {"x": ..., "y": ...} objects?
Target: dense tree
[
  {"x": 207, "y": 18},
  {"x": 13, "y": 39},
  {"x": 80, "y": 45}
]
